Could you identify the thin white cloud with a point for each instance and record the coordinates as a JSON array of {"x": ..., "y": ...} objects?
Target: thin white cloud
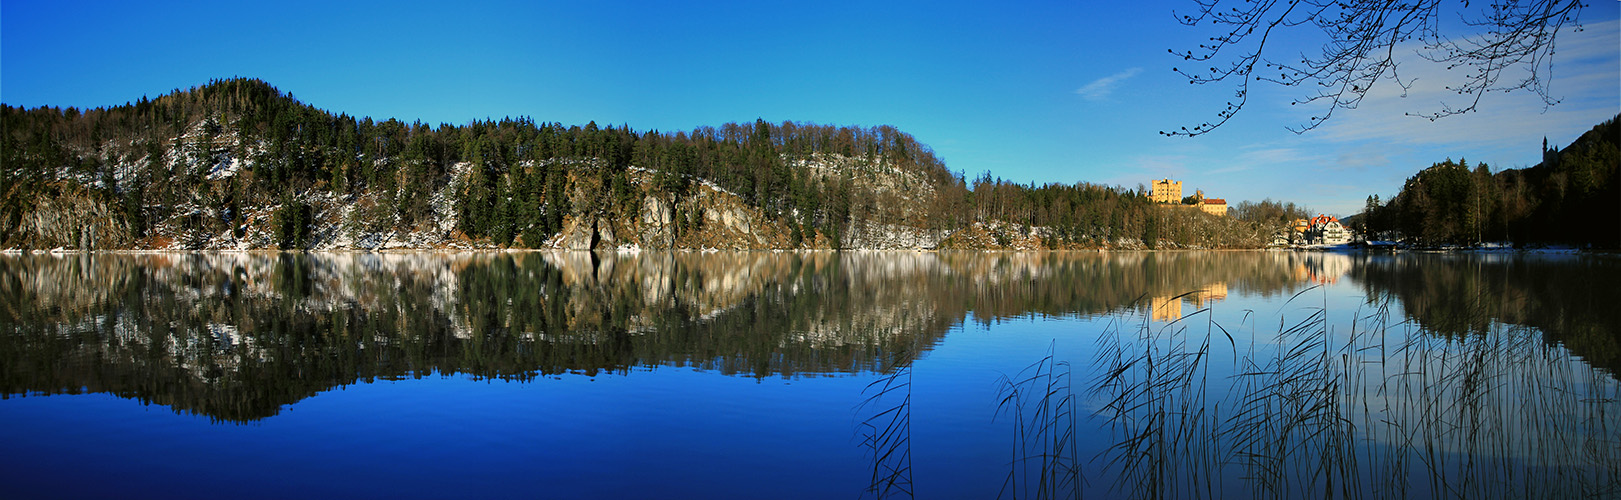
[
  {"x": 1584, "y": 77},
  {"x": 1100, "y": 88},
  {"x": 1372, "y": 149}
]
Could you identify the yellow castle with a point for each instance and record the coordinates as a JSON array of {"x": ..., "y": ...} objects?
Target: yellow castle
[
  {"x": 1166, "y": 191},
  {"x": 1169, "y": 192}
]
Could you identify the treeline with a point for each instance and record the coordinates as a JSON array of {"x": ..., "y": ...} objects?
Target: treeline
[
  {"x": 1572, "y": 197},
  {"x": 199, "y": 160},
  {"x": 1081, "y": 212},
  {"x": 1270, "y": 213},
  {"x": 516, "y": 183}
]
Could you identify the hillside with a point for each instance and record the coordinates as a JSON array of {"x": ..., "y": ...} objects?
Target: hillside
[
  {"x": 239, "y": 164},
  {"x": 1572, "y": 197}
]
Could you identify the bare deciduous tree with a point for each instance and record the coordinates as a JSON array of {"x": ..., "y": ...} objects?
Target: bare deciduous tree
[{"x": 1363, "y": 40}]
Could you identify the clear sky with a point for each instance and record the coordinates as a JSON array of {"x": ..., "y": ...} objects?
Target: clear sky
[{"x": 1032, "y": 92}]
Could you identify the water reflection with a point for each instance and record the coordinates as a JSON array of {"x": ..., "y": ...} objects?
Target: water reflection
[
  {"x": 1572, "y": 299},
  {"x": 1448, "y": 382},
  {"x": 237, "y": 336}
]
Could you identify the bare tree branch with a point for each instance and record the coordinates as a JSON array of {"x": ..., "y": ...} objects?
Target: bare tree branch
[{"x": 1363, "y": 38}]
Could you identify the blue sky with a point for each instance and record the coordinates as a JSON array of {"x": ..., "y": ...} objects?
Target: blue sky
[{"x": 1033, "y": 92}]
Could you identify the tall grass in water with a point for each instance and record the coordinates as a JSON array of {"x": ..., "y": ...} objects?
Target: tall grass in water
[
  {"x": 886, "y": 433},
  {"x": 1290, "y": 428},
  {"x": 1384, "y": 410},
  {"x": 1044, "y": 461},
  {"x": 1499, "y": 415},
  {"x": 1153, "y": 390}
]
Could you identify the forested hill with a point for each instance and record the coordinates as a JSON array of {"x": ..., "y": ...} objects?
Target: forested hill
[
  {"x": 239, "y": 164},
  {"x": 1572, "y": 197}
]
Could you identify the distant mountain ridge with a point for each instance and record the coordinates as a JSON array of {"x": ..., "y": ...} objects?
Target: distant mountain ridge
[{"x": 239, "y": 164}]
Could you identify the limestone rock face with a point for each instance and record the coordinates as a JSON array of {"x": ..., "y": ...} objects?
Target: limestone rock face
[
  {"x": 658, "y": 228},
  {"x": 604, "y": 235},
  {"x": 579, "y": 235},
  {"x": 69, "y": 222},
  {"x": 728, "y": 218},
  {"x": 595, "y": 233},
  {"x": 875, "y": 236},
  {"x": 656, "y": 211}
]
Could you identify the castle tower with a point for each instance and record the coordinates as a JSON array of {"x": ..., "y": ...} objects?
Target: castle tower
[{"x": 1166, "y": 191}]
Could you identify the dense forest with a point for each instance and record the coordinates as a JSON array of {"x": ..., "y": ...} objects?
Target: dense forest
[
  {"x": 1572, "y": 197},
  {"x": 239, "y": 157}
]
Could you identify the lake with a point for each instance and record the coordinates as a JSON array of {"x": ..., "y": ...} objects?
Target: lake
[{"x": 810, "y": 375}]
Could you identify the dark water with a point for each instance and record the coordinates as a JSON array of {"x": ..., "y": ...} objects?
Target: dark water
[{"x": 764, "y": 375}]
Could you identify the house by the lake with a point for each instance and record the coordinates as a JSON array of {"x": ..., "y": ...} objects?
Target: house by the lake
[{"x": 1327, "y": 230}]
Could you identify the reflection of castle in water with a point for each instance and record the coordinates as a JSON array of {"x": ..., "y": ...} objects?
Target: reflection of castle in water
[
  {"x": 237, "y": 335},
  {"x": 1168, "y": 308}
]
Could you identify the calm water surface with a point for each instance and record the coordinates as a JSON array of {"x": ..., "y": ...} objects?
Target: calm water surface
[{"x": 764, "y": 375}]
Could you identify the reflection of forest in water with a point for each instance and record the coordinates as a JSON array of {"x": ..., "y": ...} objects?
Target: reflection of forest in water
[
  {"x": 236, "y": 336},
  {"x": 1573, "y": 300}
]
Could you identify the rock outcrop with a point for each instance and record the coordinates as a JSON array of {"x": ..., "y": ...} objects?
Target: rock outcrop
[
  {"x": 658, "y": 221},
  {"x": 70, "y": 221},
  {"x": 876, "y": 236}
]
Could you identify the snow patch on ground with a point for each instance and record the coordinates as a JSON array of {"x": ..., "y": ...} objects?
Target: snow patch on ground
[{"x": 224, "y": 166}]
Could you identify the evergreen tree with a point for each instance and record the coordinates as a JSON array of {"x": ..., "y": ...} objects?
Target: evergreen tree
[
  {"x": 135, "y": 209},
  {"x": 502, "y": 220},
  {"x": 292, "y": 221}
]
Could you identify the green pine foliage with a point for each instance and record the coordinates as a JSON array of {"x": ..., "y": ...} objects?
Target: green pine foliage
[
  {"x": 1572, "y": 197},
  {"x": 292, "y": 223}
]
